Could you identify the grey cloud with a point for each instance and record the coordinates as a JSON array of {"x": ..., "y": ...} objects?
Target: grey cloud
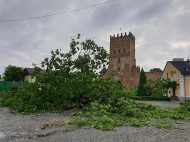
[
  {"x": 155, "y": 24},
  {"x": 153, "y": 9}
]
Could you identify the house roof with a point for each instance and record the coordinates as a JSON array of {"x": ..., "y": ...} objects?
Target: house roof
[
  {"x": 181, "y": 66},
  {"x": 29, "y": 71}
]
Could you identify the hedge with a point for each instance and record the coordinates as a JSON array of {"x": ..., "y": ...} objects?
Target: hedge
[{"x": 151, "y": 98}]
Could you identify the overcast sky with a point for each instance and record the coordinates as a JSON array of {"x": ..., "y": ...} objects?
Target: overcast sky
[{"x": 161, "y": 28}]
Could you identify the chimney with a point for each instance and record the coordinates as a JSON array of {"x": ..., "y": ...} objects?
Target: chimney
[{"x": 178, "y": 59}]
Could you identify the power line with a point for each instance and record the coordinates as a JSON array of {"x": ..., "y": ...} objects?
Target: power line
[{"x": 55, "y": 14}]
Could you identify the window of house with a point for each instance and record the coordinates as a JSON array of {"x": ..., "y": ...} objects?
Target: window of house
[
  {"x": 118, "y": 69},
  {"x": 124, "y": 50},
  {"x": 114, "y": 51},
  {"x": 171, "y": 73},
  {"x": 118, "y": 60},
  {"x": 167, "y": 74},
  {"x": 119, "y": 51}
]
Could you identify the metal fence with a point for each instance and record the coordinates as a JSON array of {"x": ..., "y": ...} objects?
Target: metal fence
[{"x": 7, "y": 85}]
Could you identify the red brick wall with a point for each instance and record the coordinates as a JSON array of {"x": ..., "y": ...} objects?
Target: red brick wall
[{"x": 153, "y": 75}]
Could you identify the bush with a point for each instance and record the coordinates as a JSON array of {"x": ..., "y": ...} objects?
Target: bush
[
  {"x": 132, "y": 95},
  {"x": 159, "y": 87},
  {"x": 152, "y": 98}
]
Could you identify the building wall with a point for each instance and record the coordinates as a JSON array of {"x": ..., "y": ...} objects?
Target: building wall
[
  {"x": 153, "y": 75},
  {"x": 122, "y": 62},
  {"x": 175, "y": 75},
  {"x": 187, "y": 85},
  {"x": 168, "y": 72},
  {"x": 177, "y": 90},
  {"x": 29, "y": 78}
]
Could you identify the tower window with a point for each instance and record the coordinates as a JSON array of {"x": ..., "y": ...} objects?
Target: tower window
[
  {"x": 118, "y": 69},
  {"x": 118, "y": 60},
  {"x": 114, "y": 51}
]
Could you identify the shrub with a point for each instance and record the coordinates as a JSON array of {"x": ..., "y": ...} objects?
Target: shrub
[
  {"x": 152, "y": 98},
  {"x": 159, "y": 87}
]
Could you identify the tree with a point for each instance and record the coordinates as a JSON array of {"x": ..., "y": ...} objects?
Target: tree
[
  {"x": 70, "y": 80},
  {"x": 13, "y": 73},
  {"x": 142, "y": 90},
  {"x": 74, "y": 73},
  {"x": 160, "y": 87},
  {"x": 155, "y": 70}
]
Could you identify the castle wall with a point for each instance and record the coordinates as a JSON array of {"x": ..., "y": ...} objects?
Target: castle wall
[
  {"x": 122, "y": 62},
  {"x": 153, "y": 75}
]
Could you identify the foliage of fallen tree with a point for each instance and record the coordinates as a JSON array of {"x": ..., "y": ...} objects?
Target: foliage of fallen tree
[
  {"x": 70, "y": 81},
  {"x": 127, "y": 112}
]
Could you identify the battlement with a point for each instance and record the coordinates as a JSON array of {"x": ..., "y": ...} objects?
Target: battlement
[{"x": 122, "y": 36}]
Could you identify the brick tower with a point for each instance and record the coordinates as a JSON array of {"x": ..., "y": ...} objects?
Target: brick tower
[{"x": 122, "y": 62}]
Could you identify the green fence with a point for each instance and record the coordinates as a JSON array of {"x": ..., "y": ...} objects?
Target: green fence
[{"x": 7, "y": 85}]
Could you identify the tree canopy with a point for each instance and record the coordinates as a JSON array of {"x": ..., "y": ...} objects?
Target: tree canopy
[
  {"x": 141, "y": 87},
  {"x": 85, "y": 57},
  {"x": 13, "y": 73},
  {"x": 155, "y": 70}
]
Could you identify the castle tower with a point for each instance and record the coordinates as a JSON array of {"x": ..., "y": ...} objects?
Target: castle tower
[{"x": 122, "y": 62}]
